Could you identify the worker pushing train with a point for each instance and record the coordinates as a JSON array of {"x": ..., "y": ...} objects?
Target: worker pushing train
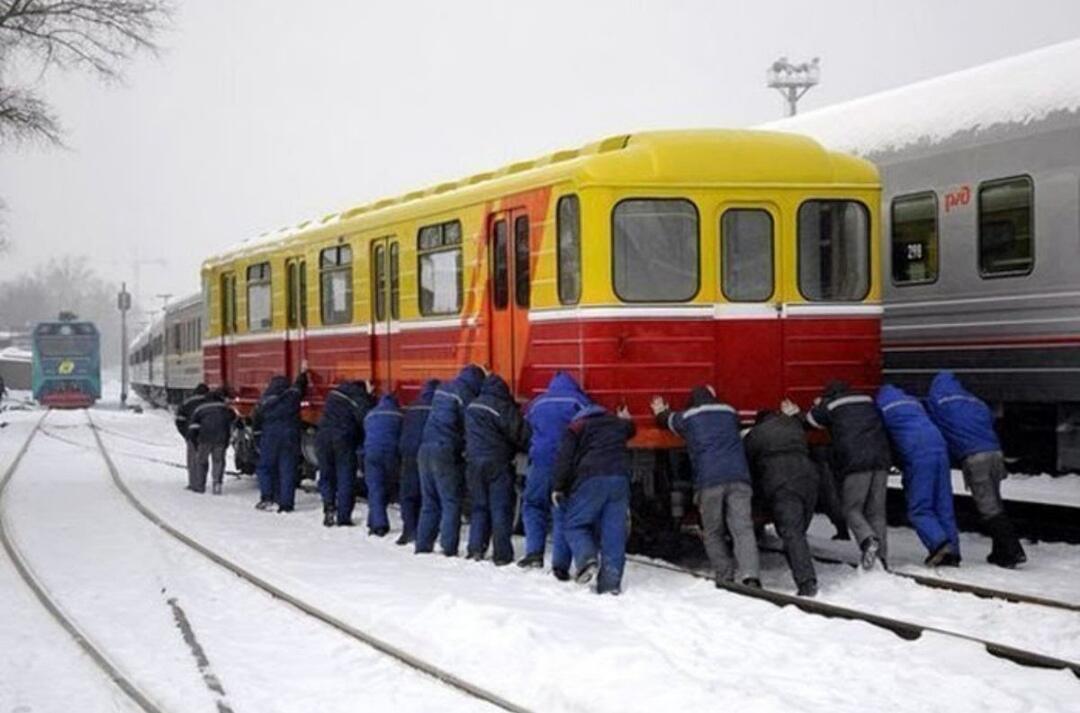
[
  {"x": 924, "y": 459},
  {"x": 210, "y": 428},
  {"x": 382, "y": 432},
  {"x": 341, "y": 429},
  {"x": 722, "y": 488},
  {"x": 412, "y": 430},
  {"x": 442, "y": 477},
  {"x": 277, "y": 418},
  {"x": 494, "y": 433},
  {"x": 182, "y": 421},
  {"x": 967, "y": 424}
]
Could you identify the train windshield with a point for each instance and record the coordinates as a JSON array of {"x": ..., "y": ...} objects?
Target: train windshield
[
  {"x": 834, "y": 250},
  {"x": 65, "y": 339}
]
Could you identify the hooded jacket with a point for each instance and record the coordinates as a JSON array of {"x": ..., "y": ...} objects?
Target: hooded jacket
[
  {"x": 445, "y": 427},
  {"x": 711, "y": 431},
  {"x": 212, "y": 421},
  {"x": 779, "y": 456},
  {"x": 965, "y": 420},
  {"x": 858, "y": 436},
  {"x": 382, "y": 427},
  {"x": 494, "y": 428},
  {"x": 184, "y": 411},
  {"x": 594, "y": 444},
  {"x": 279, "y": 408},
  {"x": 415, "y": 417},
  {"x": 549, "y": 414},
  {"x": 342, "y": 419}
]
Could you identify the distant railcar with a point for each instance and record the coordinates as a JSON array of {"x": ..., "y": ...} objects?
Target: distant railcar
[
  {"x": 66, "y": 364},
  {"x": 165, "y": 360}
]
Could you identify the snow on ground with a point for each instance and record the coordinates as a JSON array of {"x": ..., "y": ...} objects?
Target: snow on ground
[
  {"x": 668, "y": 642},
  {"x": 41, "y": 667},
  {"x": 116, "y": 574}
]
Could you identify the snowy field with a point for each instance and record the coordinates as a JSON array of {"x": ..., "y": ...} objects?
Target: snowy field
[{"x": 670, "y": 642}]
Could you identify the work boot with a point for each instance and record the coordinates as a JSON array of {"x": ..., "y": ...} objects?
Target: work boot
[
  {"x": 475, "y": 556},
  {"x": 403, "y": 539},
  {"x": 938, "y": 555},
  {"x": 501, "y": 563},
  {"x": 561, "y": 573},
  {"x": 327, "y": 515},
  {"x": 216, "y": 488},
  {"x": 347, "y": 522},
  {"x": 533, "y": 561},
  {"x": 808, "y": 588},
  {"x": 950, "y": 560},
  {"x": 752, "y": 582},
  {"x": 1006, "y": 550},
  {"x": 587, "y": 572},
  {"x": 264, "y": 504},
  {"x": 378, "y": 531},
  {"x": 870, "y": 547}
]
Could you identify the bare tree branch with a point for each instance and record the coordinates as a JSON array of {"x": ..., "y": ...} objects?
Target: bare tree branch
[{"x": 26, "y": 117}]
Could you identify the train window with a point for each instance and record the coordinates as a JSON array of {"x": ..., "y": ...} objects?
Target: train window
[
  {"x": 746, "y": 237},
  {"x": 1006, "y": 236},
  {"x": 914, "y": 239},
  {"x": 440, "y": 262},
  {"x": 303, "y": 293},
  {"x": 521, "y": 261},
  {"x": 395, "y": 286},
  {"x": 335, "y": 276},
  {"x": 834, "y": 250},
  {"x": 500, "y": 272},
  {"x": 379, "y": 283},
  {"x": 292, "y": 295},
  {"x": 655, "y": 250},
  {"x": 568, "y": 217},
  {"x": 259, "y": 311}
]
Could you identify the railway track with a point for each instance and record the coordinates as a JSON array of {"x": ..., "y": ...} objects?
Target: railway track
[
  {"x": 19, "y": 561},
  {"x": 404, "y": 657},
  {"x": 905, "y": 629}
]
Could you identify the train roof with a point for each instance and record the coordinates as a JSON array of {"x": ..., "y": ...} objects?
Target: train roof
[
  {"x": 184, "y": 303},
  {"x": 967, "y": 107},
  {"x": 702, "y": 156}
]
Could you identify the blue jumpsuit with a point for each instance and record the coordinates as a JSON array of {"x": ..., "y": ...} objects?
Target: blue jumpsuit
[
  {"x": 412, "y": 430},
  {"x": 340, "y": 431},
  {"x": 382, "y": 430},
  {"x": 277, "y": 416},
  {"x": 442, "y": 476},
  {"x": 925, "y": 459},
  {"x": 548, "y": 415}
]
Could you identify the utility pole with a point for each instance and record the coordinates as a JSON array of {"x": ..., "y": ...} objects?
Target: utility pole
[
  {"x": 123, "y": 303},
  {"x": 793, "y": 80}
]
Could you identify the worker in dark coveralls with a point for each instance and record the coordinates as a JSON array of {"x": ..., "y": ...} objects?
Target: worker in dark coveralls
[
  {"x": 592, "y": 483},
  {"x": 861, "y": 456},
  {"x": 341, "y": 430},
  {"x": 277, "y": 418},
  {"x": 921, "y": 451},
  {"x": 548, "y": 416},
  {"x": 494, "y": 433},
  {"x": 441, "y": 462},
  {"x": 382, "y": 431},
  {"x": 967, "y": 424},
  {"x": 722, "y": 487},
  {"x": 210, "y": 428},
  {"x": 786, "y": 479},
  {"x": 182, "y": 421},
  {"x": 412, "y": 430}
]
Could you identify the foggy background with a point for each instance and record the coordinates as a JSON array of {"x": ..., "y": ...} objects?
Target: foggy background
[{"x": 259, "y": 113}]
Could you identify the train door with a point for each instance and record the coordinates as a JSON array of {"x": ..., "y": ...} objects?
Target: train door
[
  {"x": 295, "y": 315},
  {"x": 509, "y": 292},
  {"x": 749, "y": 331},
  {"x": 228, "y": 327},
  {"x": 385, "y": 310}
]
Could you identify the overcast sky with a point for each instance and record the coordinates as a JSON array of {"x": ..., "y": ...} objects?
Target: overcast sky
[{"x": 260, "y": 113}]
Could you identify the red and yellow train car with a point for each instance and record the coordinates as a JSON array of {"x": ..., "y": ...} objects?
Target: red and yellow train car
[{"x": 641, "y": 264}]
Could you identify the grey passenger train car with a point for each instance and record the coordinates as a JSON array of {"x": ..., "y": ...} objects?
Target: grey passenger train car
[
  {"x": 165, "y": 359},
  {"x": 981, "y": 219}
]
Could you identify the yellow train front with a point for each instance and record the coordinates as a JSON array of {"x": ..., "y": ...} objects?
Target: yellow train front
[{"x": 641, "y": 264}]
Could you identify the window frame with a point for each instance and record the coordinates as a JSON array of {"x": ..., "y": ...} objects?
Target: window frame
[
  {"x": 665, "y": 199},
  {"x": 559, "y": 248},
  {"x": 519, "y": 297},
  {"x": 722, "y": 272},
  {"x": 337, "y": 266},
  {"x": 892, "y": 237},
  {"x": 263, "y": 280},
  {"x": 983, "y": 185},
  {"x": 379, "y": 282},
  {"x": 443, "y": 246},
  {"x": 869, "y": 248},
  {"x": 395, "y": 281},
  {"x": 500, "y": 298}
]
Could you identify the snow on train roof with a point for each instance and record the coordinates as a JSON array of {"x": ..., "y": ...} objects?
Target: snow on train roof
[{"x": 1019, "y": 90}]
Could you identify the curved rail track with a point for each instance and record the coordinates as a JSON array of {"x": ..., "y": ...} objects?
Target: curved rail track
[
  {"x": 96, "y": 654},
  {"x": 408, "y": 659}
]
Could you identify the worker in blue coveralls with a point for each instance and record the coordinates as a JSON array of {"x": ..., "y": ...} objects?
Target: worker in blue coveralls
[
  {"x": 442, "y": 472},
  {"x": 277, "y": 417},
  {"x": 924, "y": 457},
  {"x": 548, "y": 416},
  {"x": 592, "y": 483},
  {"x": 341, "y": 430},
  {"x": 967, "y": 424},
  {"x": 412, "y": 430},
  {"x": 722, "y": 487},
  {"x": 494, "y": 433},
  {"x": 382, "y": 431}
]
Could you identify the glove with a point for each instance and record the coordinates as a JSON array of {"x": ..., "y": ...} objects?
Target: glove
[
  {"x": 658, "y": 405},
  {"x": 789, "y": 407},
  {"x": 558, "y": 498}
]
